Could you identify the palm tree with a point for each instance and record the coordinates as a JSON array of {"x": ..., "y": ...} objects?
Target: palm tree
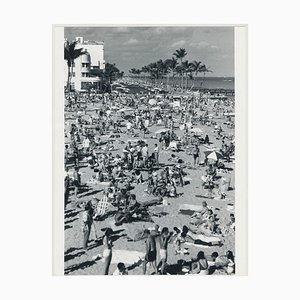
[
  {"x": 180, "y": 54},
  {"x": 132, "y": 71},
  {"x": 161, "y": 69},
  {"x": 145, "y": 70},
  {"x": 172, "y": 64},
  {"x": 154, "y": 73},
  {"x": 70, "y": 54},
  {"x": 196, "y": 66},
  {"x": 108, "y": 74},
  {"x": 179, "y": 70},
  {"x": 186, "y": 68},
  {"x": 203, "y": 70},
  {"x": 138, "y": 72}
]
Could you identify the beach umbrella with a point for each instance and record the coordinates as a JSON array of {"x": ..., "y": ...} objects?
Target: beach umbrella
[
  {"x": 214, "y": 155},
  {"x": 155, "y": 108},
  {"x": 189, "y": 124},
  {"x": 196, "y": 130},
  {"x": 162, "y": 130},
  {"x": 152, "y": 102},
  {"x": 126, "y": 109}
]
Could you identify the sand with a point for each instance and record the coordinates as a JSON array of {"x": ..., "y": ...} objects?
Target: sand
[{"x": 77, "y": 262}]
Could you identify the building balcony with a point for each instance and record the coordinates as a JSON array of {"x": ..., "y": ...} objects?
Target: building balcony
[{"x": 89, "y": 79}]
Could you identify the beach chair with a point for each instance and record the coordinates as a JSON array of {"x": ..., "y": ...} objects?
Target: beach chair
[{"x": 102, "y": 207}]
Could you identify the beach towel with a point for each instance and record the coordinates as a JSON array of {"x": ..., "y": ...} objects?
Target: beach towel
[
  {"x": 157, "y": 211},
  {"x": 185, "y": 179},
  {"x": 196, "y": 245},
  {"x": 127, "y": 257},
  {"x": 230, "y": 207},
  {"x": 204, "y": 238},
  {"x": 173, "y": 145},
  {"x": 189, "y": 209}
]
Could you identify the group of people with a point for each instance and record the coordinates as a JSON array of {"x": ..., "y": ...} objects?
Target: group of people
[{"x": 95, "y": 143}]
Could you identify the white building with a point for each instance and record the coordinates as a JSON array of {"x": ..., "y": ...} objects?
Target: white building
[{"x": 92, "y": 59}]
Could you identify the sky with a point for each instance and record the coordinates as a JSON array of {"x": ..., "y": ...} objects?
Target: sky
[{"x": 135, "y": 47}]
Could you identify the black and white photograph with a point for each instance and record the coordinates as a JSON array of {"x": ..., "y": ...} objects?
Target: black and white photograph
[
  {"x": 138, "y": 139},
  {"x": 149, "y": 150}
]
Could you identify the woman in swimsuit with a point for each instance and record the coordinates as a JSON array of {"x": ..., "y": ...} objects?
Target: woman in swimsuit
[
  {"x": 200, "y": 266},
  {"x": 107, "y": 252}
]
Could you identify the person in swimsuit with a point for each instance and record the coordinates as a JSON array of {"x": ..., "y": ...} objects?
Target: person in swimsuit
[
  {"x": 107, "y": 252},
  {"x": 87, "y": 223},
  {"x": 196, "y": 152},
  {"x": 76, "y": 181},
  {"x": 200, "y": 266},
  {"x": 151, "y": 252},
  {"x": 231, "y": 263},
  {"x": 163, "y": 242}
]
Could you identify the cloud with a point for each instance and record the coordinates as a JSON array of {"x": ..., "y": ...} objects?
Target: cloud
[
  {"x": 159, "y": 30},
  {"x": 179, "y": 43},
  {"x": 121, "y": 29},
  {"x": 131, "y": 41},
  {"x": 200, "y": 45},
  {"x": 205, "y": 46}
]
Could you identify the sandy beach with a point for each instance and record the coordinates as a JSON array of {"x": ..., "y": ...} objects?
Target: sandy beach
[{"x": 79, "y": 262}]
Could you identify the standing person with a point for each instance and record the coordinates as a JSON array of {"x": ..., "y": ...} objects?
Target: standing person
[
  {"x": 67, "y": 187},
  {"x": 167, "y": 140},
  {"x": 87, "y": 223},
  {"x": 76, "y": 181},
  {"x": 163, "y": 242},
  {"x": 196, "y": 154},
  {"x": 145, "y": 153},
  {"x": 129, "y": 127},
  {"x": 150, "y": 252},
  {"x": 156, "y": 154},
  {"x": 107, "y": 252},
  {"x": 86, "y": 144}
]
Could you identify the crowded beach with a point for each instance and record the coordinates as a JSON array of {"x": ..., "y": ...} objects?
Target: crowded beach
[{"x": 149, "y": 182}]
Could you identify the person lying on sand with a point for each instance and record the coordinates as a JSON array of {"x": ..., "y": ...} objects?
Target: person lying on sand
[{"x": 187, "y": 235}]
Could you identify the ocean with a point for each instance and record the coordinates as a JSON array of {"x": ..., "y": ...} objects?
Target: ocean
[{"x": 208, "y": 82}]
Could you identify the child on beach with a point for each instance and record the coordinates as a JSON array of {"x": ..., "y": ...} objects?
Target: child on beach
[{"x": 121, "y": 269}]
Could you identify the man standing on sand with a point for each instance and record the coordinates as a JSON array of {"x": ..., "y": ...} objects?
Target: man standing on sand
[
  {"x": 156, "y": 154},
  {"x": 86, "y": 224},
  {"x": 150, "y": 252},
  {"x": 145, "y": 153},
  {"x": 196, "y": 152},
  {"x": 163, "y": 242},
  {"x": 67, "y": 186},
  {"x": 86, "y": 144},
  {"x": 76, "y": 181}
]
